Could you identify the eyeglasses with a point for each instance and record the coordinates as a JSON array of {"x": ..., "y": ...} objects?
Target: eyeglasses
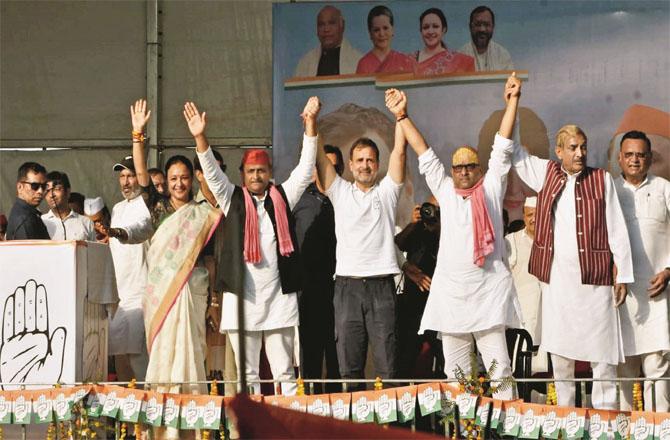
[
  {"x": 630, "y": 155},
  {"x": 469, "y": 167},
  {"x": 36, "y": 185}
]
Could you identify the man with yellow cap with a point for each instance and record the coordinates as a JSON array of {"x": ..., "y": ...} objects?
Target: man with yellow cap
[
  {"x": 472, "y": 296},
  {"x": 580, "y": 237},
  {"x": 259, "y": 259}
]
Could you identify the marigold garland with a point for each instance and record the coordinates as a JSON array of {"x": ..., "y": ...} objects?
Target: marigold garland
[{"x": 638, "y": 404}]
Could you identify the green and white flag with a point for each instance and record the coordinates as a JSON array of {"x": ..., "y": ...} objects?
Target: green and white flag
[
  {"x": 531, "y": 422},
  {"x": 483, "y": 411},
  {"x": 512, "y": 421},
  {"x": 551, "y": 425},
  {"x": 211, "y": 412},
  {"x": 574, "y": 425},
  {"x": 662, "y": 426},
  {"x": 340, "y": 405},
  {"x": 642, "y": 426},
  {"x": 110, "y": 405},
  {"x": 385, "y": 406},
  {"x": 5, "y": 408},
  {"x": 319, "y": 405},
  {"x": 496, "y": 414},
  {"x": 21, "y": 409},
  {"x": 620, "y": 426},
  {"x": 430, "y": 398},
  {"x": 151, "y": 411},
  {"x": 190, "y": 415},
  {"x": 406, "y": 397},
  {"x": 597, "y": 425},
  {"x": 362, "y": 407},
  {"x": 42, "y": 407},
  {"x": 62, "y": 404},
  {"x": 467, "y": 405},
  {"x": 93, "y": 404},
  {"x": 171, "y": 411},
  {"x": 130, "y": 406}
]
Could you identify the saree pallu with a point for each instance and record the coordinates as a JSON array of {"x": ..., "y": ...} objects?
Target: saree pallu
[{"x": 175, "y": 302}]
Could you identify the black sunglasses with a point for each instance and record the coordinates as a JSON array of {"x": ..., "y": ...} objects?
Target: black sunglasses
[{"x": 36, "y": 185}]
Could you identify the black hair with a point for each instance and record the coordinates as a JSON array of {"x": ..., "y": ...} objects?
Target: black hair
[
  {"x": 635, "y": 134},
  {"x": 378, "y": 11},
  {"x": 28, "y": 167},
  {"x": 58, "y": 178},
  {"x": 77, "y": 198},
  {"x": 364, "y": 142},
  {"x": 153, "y": 171},
  {"x": 480, "y": 9},
  {"x": 440, "y": 15},
  {"x": 332, "y": 149},
  {"x": 217, "y": 156},
  {"x": 179, "y": 159}
]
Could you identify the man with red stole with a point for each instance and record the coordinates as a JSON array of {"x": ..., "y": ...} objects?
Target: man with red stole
[{"x": 259, "y": 259}]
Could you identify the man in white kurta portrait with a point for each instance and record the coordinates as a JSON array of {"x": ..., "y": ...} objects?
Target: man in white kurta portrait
[
  {"x": 645, "y": 200},
  {"x": 127, "y": 342},
  {"x": 334, "y": 55},
  {"x": 472, "y": 296},
  {"x": 488, "y": 54},
  {"x": 580, "y": 235},
  {"x": 259, "y": 260}
]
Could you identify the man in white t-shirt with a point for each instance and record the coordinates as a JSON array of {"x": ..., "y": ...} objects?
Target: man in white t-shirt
[
  {"x": 364, "y": 298},
  {"x": 61, "y": 221}
]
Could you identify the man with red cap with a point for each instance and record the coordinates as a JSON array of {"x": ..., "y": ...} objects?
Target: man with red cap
[{"x": 260, "y": 257}]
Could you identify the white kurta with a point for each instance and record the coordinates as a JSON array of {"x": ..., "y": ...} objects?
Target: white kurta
[
  {"x": 527, "y": 286},
  {"x": 77, "y": 227},
  {"x": 126, "y": 330},
  {"x": 644, "y": 320},
  {"x": 464, "y": 297},
  {"x": 266, "y": 307},
  {"x": 496, "y": 57},
  {"x": 579, "y": 321}
]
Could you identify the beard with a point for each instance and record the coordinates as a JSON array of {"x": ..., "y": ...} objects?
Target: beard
[{"x": 482, "y": 39}]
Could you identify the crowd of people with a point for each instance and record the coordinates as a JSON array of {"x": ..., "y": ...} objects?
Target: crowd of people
[{"x": 315, "y": 257}]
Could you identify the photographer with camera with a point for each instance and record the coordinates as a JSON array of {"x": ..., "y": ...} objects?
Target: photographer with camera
[{"x": 420, "y": 241}]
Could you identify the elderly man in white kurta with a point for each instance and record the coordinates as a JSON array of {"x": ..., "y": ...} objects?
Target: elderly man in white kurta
[
  {"x": 126, "y": 329},
  {"x": 579, "y": 235},
  {"x": 528, "y": 287},
  {"x": 472, "y": 296},
  {"x": 264, "y": 272},
  {"x": 645, "y": 200}
]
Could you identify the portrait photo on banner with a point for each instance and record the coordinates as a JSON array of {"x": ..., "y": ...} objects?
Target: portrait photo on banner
[{"x": 599, "y": 64}]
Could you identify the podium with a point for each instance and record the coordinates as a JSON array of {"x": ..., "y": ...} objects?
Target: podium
[{"x": 54, "y": 297}]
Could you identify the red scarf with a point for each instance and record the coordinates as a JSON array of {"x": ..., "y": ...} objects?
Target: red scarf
[
  {"x": 482, "y": 228},
  {"x": 252, "y": 245}
]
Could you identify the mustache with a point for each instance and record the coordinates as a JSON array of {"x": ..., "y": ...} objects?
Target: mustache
[{"x": 482, "y": 34}]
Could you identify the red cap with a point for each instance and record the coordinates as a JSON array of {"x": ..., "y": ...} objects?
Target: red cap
[{"x": 256, "y": 157}]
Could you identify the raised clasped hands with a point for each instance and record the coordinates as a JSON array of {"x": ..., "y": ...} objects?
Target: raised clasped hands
[
  {"x": 139, "y": 116},
  {"x": 512, "y": 87},
  {"x": 396, "y": 102},
  {"x": 195, "y": 120}
]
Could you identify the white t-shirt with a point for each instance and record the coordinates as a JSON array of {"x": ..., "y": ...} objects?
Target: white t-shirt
[
  {"x": 365, "y": 227},
  {"x": 77, "y": 227}
]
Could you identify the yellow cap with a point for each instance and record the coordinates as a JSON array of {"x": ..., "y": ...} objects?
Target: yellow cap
[{"x": 464, "y": 156}]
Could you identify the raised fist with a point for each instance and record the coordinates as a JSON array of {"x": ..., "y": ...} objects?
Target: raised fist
[{"x": 312, "y": 109}]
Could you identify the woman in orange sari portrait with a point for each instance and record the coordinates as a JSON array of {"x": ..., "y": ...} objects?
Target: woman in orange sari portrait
[
  {"x": 436, "y": 58},
  {"x": 382, "y": 59}
]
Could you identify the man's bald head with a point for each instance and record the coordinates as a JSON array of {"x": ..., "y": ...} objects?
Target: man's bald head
[{"x": 330, "y": 27}]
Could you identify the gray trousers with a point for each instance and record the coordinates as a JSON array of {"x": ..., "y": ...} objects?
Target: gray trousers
[{"x": 365, "y": 310}]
